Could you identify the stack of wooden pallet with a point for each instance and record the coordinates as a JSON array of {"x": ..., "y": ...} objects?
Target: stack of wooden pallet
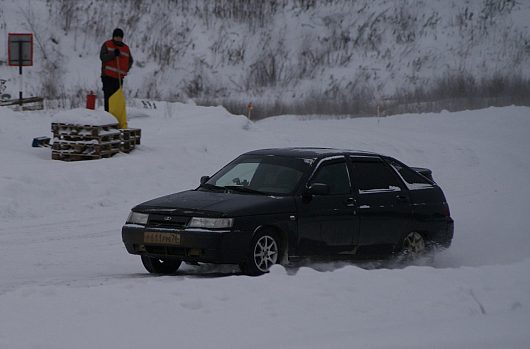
[
  {"x": 130, "y": 137},
  {"x": 72, "y": 142}
]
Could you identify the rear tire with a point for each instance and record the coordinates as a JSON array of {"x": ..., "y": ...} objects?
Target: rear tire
[
  {"x": 414, "y": 249},
  {"x": 264, "y": 251},
  {"x": 160, "y": 266},
  {"x": 413, "y": 245}
]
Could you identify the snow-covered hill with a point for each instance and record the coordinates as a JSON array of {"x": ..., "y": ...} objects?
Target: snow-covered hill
[
  {"x": 296, "y": 56},
  {"x": 66, "y": 281}
]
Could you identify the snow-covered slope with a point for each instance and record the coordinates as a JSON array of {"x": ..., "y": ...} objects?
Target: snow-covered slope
[
  {"x": 66, "y": 280},
  {"x": 277, "y": 52}
]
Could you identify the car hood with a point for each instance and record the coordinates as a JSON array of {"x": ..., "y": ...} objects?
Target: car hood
[{"x": 209, "y": 203}]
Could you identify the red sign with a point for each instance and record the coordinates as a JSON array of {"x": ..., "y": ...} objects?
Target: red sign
[{"x": 20, "y": 49}]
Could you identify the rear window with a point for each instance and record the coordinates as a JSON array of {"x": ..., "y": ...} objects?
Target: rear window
[{"x": 409, "y": 175}]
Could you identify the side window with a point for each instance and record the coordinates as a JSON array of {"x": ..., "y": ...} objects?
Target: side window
[
  {"x": 409, "y": 175},
  {"x": 335, "y": 175},
  {"x": 374, "y": 176}
]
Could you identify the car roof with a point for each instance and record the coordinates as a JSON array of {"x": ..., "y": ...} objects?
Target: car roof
[{"x": 309, "y": 152}]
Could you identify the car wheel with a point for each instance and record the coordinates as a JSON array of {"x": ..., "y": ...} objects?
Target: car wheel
[
  {"x": 413, "y": 245},
  {"x": 412, "y": 249},
  {"x": 160, "y": 266},
  {"x": 263, "y": 253}
]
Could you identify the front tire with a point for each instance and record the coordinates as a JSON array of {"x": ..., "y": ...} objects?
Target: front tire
[
  {"x": 160, "y": 266},
  {"x": 264, "y": 251}
]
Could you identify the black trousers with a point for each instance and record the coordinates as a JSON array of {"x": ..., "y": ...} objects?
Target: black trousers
[{"x": 110, "y": 85}]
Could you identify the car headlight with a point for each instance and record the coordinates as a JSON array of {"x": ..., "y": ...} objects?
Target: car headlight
[
  {"x": 210, "y": 223},
  {"x": 137, "y": 218}
]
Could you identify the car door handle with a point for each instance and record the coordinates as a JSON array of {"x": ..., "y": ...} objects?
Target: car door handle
[
  {"x": 350, "y": 202},
  {"x": 402, "y": 197}
]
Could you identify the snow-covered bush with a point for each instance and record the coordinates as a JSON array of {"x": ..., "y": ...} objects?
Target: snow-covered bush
[{"x": 334, "y": 56}]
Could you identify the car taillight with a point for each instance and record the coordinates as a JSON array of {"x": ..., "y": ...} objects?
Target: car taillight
[{"x": 446, "y": 212}]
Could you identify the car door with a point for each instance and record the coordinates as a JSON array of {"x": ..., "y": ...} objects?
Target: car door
[
  {"x": 383, "y": 202},
  {"x": 327, "y": 222}
]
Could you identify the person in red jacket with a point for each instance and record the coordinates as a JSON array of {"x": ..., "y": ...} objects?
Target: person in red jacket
[{"x": 116, "y": 61}]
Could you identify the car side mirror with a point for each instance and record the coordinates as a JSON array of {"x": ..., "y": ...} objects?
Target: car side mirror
[
  {"x": 317, "y": 189},
  {"x": 204, "y": 179}
]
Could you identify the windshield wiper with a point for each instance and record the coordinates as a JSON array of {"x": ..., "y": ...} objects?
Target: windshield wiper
[
  {"x": 211, "y": 186},
  {"x": 244, "y": 189}
]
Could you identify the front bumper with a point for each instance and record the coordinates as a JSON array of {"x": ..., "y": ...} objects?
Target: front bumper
[{"x": 228, "y": 246}]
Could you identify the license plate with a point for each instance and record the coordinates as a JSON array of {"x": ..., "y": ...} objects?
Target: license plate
[{"x": 161, "y": 238}]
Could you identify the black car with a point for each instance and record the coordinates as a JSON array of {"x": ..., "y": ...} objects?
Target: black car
[{"x": 275, "y": 205}]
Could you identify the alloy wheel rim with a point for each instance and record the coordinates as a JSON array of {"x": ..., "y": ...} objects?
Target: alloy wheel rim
[
  {"x": 265, "y": 253},
  {"x": 414, "y": 245}
]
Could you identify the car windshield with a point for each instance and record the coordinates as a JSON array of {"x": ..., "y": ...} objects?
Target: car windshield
[{"x": 257, "y": 174}]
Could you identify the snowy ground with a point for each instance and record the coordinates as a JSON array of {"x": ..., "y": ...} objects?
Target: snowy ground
[{"x": 66, "y": 280}]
